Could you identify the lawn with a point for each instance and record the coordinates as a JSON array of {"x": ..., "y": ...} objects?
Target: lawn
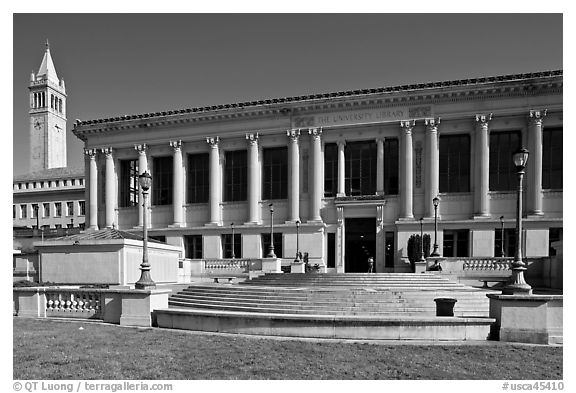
[{"x": 56, "y": 349}]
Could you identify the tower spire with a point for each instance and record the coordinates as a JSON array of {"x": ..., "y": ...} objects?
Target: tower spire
[{"x": 47, "y": 44}]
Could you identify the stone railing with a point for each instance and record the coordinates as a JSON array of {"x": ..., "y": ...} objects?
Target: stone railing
[
  {"x": 227, "y": 265},
  {"x": 486, "y": 264},
  {"x": 74, "y": 303}
]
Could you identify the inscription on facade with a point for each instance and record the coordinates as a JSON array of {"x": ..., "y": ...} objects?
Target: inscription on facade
[{"x": 363, "y": 117}]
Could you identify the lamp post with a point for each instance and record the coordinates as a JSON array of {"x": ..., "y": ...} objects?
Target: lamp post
[
  {"x": 233, "y": 255},
  {"x": 271, "y": 248},
  {"x": 145, "y": 281},
  {"x": 436, "y": 202},
  {"x": 297, "y": 259},
  {"x": 502, "y": 254},
  {"x": 517, "y": 283},
  {"x": 422, "y": 259}
]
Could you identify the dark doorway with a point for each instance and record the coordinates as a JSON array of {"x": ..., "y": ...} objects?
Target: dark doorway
[{"x": 360, "y": 244}]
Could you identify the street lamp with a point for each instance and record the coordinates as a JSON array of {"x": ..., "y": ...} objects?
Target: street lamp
[
  {"x": 502, "y": 254},
  {"x": 297, "y": 259},
  {"x": 422, "y": 240},
  {"x": 233, "y": 256},
  {"x": 271, "y": 248},
  {"x": 145, "y": 281},
  {"x": 436, "y": 202},
  {"x": 517, "y": 282}
]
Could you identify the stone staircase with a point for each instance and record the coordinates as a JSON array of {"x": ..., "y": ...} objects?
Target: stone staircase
[{"x": 358, "y": 305}]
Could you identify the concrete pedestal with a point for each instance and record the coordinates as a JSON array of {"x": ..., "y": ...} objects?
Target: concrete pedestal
[
  {"x": 297, "y": 267},
  {"x": 535, "y": 319},
  {"x": 137, "y": 306},
  {"x": 271, "y": 265}
]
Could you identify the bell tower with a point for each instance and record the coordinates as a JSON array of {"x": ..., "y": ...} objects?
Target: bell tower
[{"x": 47, "y": 117}]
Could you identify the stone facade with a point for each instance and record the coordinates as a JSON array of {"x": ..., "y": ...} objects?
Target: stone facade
[{"x": 321, "y": 134}]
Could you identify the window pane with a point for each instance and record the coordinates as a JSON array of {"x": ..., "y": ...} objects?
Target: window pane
[
  {"x": 128, "y": 183},
  {"x": 360, "y": 168},
  {"x": 552, "y": 158},
  {"x": 502, "y": 172},
  {"x": 162, "y": 181},
  {"x": 235, "y": 176},
  {"x": 198, "y": 178},
  {"x": 275, "y": 174},
  {"x": 330, "y": 169},
  {"x": 454, "y": 165}
]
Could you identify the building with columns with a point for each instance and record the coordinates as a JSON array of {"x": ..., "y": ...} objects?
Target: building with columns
[
  {"x": 357, "y": 170},
  {"x": 51, "y": 195}
]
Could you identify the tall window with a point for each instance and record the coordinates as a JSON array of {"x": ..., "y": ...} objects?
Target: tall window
[
  {"x": 391, "y": 166},
  {"x": 552, "y": 158},
  {"x": 502, "y": 172},
  {"x": 128, "y": 183},
  {"x": 46, "y": 208},
  {"x": 455, "y": 163},
  {"x": 235, "y": 176},
  {"x": 23, "y": 211},
  {"x": 34, "y": 212},
  {"x": 69, "y": 208},
  {"x": 331, "y": 254},
  {"x": 193, "y": 246},
  {"x": 554, "y": 234},
  {"x": 509, "y": 242},
  {"x": 82, "y": 208},
  {"x": 456, "y": 243},
  {"x": 360, "y": 173},
  {"x": 275, "y": 176},
  {"x": 227, "y": 245},
  {"x": 57, "y": 209},
  {"x": 162, "y": 181},
  {"x": 277, "y": 244},
  {"x": 330, "y": 169},
  {"x": 198, "y": 178}
]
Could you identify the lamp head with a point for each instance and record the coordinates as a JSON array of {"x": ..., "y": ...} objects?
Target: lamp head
[
  {"x": 145, "y": 181},
  {"x": 436, "y": 201},
  {"x": 501, "y": 218},
  {"x": 298, "y": 223},
  {"x": 520, "y": 158},
  {"x": 271, "y": 206}
]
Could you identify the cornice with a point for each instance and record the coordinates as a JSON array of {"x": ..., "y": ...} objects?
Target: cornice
[{"x": 431, "y": 93}]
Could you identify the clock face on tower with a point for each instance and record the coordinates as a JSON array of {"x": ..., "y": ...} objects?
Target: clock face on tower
[{"x": 38, "y": 124}]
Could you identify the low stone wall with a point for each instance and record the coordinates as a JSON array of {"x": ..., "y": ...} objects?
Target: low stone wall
[{"x": 131, "y": 307}]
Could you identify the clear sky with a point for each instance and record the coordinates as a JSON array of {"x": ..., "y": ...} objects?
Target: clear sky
[{"x": 137, "y": 63}]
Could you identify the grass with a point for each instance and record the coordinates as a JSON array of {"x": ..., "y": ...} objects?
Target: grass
[{"x": 56, "y": 349}]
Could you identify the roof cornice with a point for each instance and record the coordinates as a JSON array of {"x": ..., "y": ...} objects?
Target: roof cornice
[{"x": 465, "y": 89}]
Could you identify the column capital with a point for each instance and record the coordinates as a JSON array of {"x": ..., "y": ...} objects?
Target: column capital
[
  {"x": 432, "y": 124},
  {"x": 91, "y": 153},
  {"x": 252, "y": 138},
  {"x": 213, "y": 142},
  {"x": 107, "y": 151},
  {"x": 315, "y": 132},
  {"x": 407, "y": 125},
  {"x": 141, "y": 149},
  {"x": 293, "y": 134},
  {"x": 483, "y": 119},
  {"x": 176, "y": 145},
  {"x": 537, "y": 116},
  {"x": 380, "y": 139},
  {"x": 341, "y": 142}
]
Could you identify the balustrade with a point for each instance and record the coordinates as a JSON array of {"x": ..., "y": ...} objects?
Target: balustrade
[
  {"x": 81, "y": 303},
  {"x": 487, "y": 264}
]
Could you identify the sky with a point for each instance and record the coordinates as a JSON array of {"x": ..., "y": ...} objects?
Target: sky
[{"x": 115, "y": 64}]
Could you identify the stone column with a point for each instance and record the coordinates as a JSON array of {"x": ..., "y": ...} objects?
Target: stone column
[
  {"x": 177, "y": 183},
  {"x": 142, "y": 167},
  {"x": 215, "y": 192},
  {"x": 380, "y": 166},
  {"x": 406, "y": 180},
  {"x": 432, "y": 162},
  {"x": 92, "y": 189},
  {"x": 109, "y": 187},
  {"x": 341, "y": 169},
  {"x": 317, "y": 181},
  {"x": 481, "y": 208},
  {"x": 253, "y": 179},
  {"x": 294, "y": 175},
  {"x": 534, "y": 172}
]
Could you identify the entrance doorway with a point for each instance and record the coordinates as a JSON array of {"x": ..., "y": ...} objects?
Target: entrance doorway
[{"x": 360, "y": 244}]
